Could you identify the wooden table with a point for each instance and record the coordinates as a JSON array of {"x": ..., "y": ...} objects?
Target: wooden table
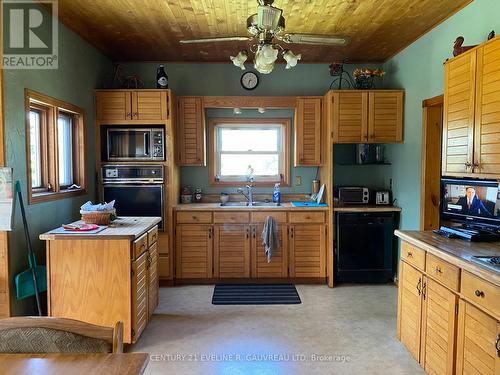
[{"x": 74, "y": 364}]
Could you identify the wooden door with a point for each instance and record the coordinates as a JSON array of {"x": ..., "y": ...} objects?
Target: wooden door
[
  {"x": 113, "y": 105},
  {"x": 410, "y": 308},
  {"x": 458, "y": 114},
  {"x": 487, "y": 119},
  {"x": 139, "y": 295},
  {"x": 232, "y": 251},
  {"x": 278, "y": 267},
  {"x": 153, "y": 279},
  {"x": 191, "y": 134},
  {"x": 194, "y": 258},
  {"x": 477, "y": 342},
  {"x": 149, "y": 105},
  {"x": 438, "y": 329},
  {"x": 307, "y": 247},
  {"x": 385, "y": 116},
  {"x": 308, "y": 132},
  {"x": 350, "y": 117}
]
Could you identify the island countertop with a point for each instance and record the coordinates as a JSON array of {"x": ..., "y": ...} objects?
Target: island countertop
[
  {"x": 455, "y": 251},
  {"x": 122, "y": 228}
]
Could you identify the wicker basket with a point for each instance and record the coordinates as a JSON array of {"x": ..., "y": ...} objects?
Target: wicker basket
[{"x": 97, "y": 217}]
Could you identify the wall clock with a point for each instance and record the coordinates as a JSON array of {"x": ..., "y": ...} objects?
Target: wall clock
[{"x": 249, "y": 80}]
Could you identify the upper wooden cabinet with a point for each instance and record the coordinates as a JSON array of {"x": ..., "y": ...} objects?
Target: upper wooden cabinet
[
  {"x": 118, "y": 105},
  {"x": 191, "y": 134},
  {"x": 308, "y": 132},
  {"x": 471, "y": 126},
  {"x": 367, "y": 116}
]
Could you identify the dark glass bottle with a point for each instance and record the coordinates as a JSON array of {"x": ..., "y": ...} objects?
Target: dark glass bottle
[{"x": 161, "y": 78}]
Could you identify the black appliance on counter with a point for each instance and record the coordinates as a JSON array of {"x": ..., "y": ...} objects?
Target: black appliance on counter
[
  {"x": 138, "y": 190},
  {"x": 132, "y": 143},
  {"x": 364, "y": 249}
]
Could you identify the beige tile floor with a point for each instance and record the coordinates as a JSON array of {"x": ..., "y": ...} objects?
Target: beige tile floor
[{"x": 346, "y": 330}]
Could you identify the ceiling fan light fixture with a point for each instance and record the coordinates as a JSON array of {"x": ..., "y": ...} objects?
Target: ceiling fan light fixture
[
  {"x": 291, "y": 59},
  {"x": 239, "y": 59},
  {"x": 268, "y": 17},
  {"x": 265, "y": 57}
]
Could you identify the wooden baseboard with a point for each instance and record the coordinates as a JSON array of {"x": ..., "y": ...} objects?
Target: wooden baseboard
[{"x": 299, "y": 280}]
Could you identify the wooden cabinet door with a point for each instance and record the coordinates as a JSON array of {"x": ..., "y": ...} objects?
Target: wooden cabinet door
[
  {"x": 438, "y": 328},
  {"x": 477, "y": 342},
  {"x": 350, "y": 117},
  {"x": 193, "y": 251},
  {"x": 190, "y": 131},
  {"x": 487, "y": 118},
  {"x": 385, "y": 117},
  {"x": 139, "y": 295},
  {"x": 410, "y": 308},
  {"x": 308, "y": 132},
  {"x": 458, "y": 114},
  {"x": 232, "y": 251},
  {"x": 307, "y": 248},
  {"x": 113, "y": 105},
  {"x": 149, "y": 105},
  {"x": 278, "y": 267},
  {"x": 164, "y": 257},
  {"x": 153, "y": 279}
]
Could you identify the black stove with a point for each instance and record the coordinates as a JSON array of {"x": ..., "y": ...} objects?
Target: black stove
[{"x": 490, "y": 262}]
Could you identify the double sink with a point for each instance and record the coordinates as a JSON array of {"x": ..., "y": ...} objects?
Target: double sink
[{"x": 246, "y": 204}]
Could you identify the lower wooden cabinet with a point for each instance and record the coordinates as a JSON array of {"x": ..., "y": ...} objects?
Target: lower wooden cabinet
[
  {"x": 478, "y": 342},
  {"x": 139, "y": 295},
  {"x": 307, "y": 243},
  {"x": 153, "y": 279},
  {"x": 278, "y": 267},
  {"x": 194, "y": 251},
  {"x": 232, "y": 251}
]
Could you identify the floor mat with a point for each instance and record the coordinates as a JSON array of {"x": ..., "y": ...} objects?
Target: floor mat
[{"x": 255, "y": 294}]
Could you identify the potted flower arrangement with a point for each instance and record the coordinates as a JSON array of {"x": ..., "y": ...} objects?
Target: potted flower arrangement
[{"x": 364, "y": 77}]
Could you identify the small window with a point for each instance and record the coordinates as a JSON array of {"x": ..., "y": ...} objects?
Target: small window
[
  {"x": 55, "y": 134},
  {"x": 250, "y": 148}
]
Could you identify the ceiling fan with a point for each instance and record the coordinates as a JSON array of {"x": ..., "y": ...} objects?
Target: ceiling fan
[{"x": 266, "y": 27}]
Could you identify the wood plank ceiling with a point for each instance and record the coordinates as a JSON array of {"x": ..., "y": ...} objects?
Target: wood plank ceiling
[{"x": 150, "y": 30}]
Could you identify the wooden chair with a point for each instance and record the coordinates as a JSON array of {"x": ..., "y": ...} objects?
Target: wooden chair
[{"x": 32, "y": 334}]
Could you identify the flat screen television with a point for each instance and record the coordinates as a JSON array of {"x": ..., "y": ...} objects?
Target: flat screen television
[{"x": 474, "y": 203}]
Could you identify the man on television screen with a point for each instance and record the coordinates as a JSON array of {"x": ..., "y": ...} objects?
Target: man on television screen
[{"x": 471, "y": 204}]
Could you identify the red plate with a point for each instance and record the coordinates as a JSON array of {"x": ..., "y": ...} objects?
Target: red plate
[{"x": 81, "y": 227}]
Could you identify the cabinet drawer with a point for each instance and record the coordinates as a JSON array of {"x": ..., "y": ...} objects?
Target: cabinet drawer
[
  {"x": 140, "y": 245},
  {"x": 444, "y": 272},
  {"x": 413, "y": 255},
  {"x": 307, "y": 217},
  {"x": 481, "y": 292},
  {"x": 260, "y": 217},
  {"x": 231, "y": 217},
  {"x": 194, "y": 217},
  {"x": 152, "y": 236}
]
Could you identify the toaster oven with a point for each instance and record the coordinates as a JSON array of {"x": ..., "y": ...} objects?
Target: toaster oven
[{"x": 354, "y": 195}]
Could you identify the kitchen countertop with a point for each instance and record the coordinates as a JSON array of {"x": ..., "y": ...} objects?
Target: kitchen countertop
[
  {"x": 366, "y": 208},
  {"x": 286, "y": 206},
  {"x": 128, "y": 228},
  {"x": 455, "y": 251}
]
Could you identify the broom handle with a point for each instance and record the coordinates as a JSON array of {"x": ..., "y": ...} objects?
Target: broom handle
[{"x": 31, "y": 256}]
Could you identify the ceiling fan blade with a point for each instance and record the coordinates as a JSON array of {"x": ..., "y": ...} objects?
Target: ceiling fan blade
[
  {"x": 212, "y": 40},
  {"x": 332, "y": 40}
]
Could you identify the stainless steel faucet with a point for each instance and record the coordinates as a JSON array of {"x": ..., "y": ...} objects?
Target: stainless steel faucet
[{"x": 249, "y": 195}]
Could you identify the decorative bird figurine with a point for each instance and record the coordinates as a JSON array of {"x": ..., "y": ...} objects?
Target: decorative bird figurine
[{"x": 458, "y": 49}]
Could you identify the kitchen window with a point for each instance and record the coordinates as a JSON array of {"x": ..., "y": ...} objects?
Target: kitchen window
[
  {"x": 55, "y": 148},
  {"x": 244, "y": 148}
]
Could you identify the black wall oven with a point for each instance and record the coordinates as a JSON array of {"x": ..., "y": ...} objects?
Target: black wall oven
[{"x": 137, "y": 190}]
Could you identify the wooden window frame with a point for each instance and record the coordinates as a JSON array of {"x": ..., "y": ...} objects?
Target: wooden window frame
[
  {"x": 50, "y": 108},
  {"x": 212, "y": 165}
]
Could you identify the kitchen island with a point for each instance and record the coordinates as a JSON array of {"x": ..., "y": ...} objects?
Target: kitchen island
[
  {"x": 449, "y": 304},
  {"x": 105, "y": 277}
]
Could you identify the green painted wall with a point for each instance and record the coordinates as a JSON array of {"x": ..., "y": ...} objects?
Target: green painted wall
[
  {"x": 81, "y": 70},
  {"x": 224, "y": 79},
  {"x": 419, "y": 70}
]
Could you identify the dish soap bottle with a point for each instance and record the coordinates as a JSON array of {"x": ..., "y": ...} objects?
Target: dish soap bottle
[{"x": 277, "y": 194}]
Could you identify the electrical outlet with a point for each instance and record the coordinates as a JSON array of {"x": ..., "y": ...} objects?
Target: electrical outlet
[{"x": 298, "y": 180}]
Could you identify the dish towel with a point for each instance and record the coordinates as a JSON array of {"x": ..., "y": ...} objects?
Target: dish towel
[{"x": 270, "y": 237}]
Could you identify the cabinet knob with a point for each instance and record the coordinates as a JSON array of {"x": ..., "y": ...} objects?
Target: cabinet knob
[
  {"x": 438, "y": 269},
  {"x": 409, "y": 254},
  {"x": 479, "y": 293},
  {"x": 419, "y": 287},
  {"x": 136, "y": 114}
]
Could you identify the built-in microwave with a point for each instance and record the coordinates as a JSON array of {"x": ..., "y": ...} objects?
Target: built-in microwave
[{"x": 123, "y": 143}]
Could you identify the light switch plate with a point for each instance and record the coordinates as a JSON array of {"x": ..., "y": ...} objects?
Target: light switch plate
[{"x": 298, "y": 180}]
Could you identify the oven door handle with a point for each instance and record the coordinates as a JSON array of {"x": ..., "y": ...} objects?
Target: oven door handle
[{"x": 146, "y": 143}]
